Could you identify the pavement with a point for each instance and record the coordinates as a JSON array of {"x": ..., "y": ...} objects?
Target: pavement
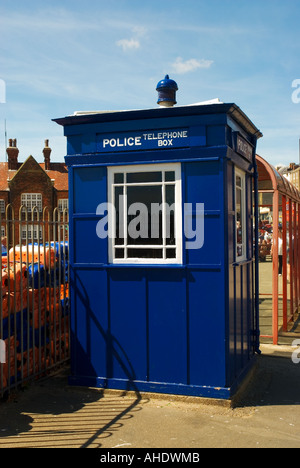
[{"x": 51, "y": 414}]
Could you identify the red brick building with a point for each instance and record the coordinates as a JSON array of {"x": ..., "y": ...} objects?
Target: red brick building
[{"x": 31, "y": 184}]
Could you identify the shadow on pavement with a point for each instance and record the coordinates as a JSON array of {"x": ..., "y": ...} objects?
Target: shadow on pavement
[
  {"x": 275, "y": 380},
  {"x": 53, "y": 414}
]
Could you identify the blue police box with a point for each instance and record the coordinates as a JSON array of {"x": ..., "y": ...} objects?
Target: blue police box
[{"x": 163, "y": 273}]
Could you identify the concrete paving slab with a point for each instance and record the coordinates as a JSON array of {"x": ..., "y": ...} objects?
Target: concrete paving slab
[{"x": 52, "y": 414}]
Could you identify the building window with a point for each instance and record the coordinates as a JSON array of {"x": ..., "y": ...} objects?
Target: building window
[
  {"x": 145, "y": 221},
  {"x": 27, "y": 232},
  {"x": 31, "y": 200},
  {"x": 2, "y": 206},
  {"x": 63, "y": 204},
  {"x": 240, "y": 215},
  {"x": 2, "y": 231}
]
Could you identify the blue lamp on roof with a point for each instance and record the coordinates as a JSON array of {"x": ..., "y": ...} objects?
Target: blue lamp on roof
[{"x": 166, "y": 89}]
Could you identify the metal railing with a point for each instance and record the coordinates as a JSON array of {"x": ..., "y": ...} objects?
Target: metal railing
[{"x": 34, "y": 306}]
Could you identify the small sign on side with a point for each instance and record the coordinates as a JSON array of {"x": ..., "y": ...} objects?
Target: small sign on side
[{"x": 243, "y": 147}]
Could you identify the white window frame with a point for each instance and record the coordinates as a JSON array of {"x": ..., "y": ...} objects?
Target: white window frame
[
  {"x": 3, "y": 230},
  {"x": 63, "y": 204},
  {"x": 172, "y": 167},
  {"x": 243, "y": 244},
  {"x": 30, "y": 200}
]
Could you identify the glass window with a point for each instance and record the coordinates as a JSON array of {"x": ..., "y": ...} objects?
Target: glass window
[
  {"x": 63, "y": 204},
  {"x": 146, "y": 221},
  {"x": 27, "y": 232},
  {"x": 31, "y": 200},
  {"x": 240, "y": 215},
  {"x": 2, "y": 206}
]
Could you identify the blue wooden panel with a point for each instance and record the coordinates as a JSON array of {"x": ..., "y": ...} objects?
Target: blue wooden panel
[
  {"x": 200, "y": 177},
  {"x": 88, "y": 248},
  {"x": 89, "y": 325},
  {"x": 206, "y": 328},
  {"x": 231, "y": 227},
  {"x": 89, "y": 143},
  {"x": 212, "y": 250},
  {"x": 167, "y": 326},
  {"x": 90, "y": 189},
  {"x": 176, "y": 155},
  {"x": 74, "y": 144},
  {"x": 216, "y": 135},
  {"x": 203, "y": 184},
  {"x": 81, "y": 144},
  {"x": 128, "y": 324},
  {"x": 238, "y": 319},
  {"x": 247, "y": 301},
  {"x": 231, "y": 326}
]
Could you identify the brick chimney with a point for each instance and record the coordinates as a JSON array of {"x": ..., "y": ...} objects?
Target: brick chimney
[
  {"x": 47, "y": 152},
  {"x": 12, "y": 153}
]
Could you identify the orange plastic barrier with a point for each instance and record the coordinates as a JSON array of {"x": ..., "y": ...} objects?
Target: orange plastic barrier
[
  {"x": 12, "y": 276},
  {"x": 12, "y": 302},
  {"x": 43, "y": 297},
  {"x": 40, "y": 358},
  {"x": 42, "y": 304},
  {"x": 33, "y": 299},
  {"x": 33, "y": 253},
  {"x": 60, "y": 346}
]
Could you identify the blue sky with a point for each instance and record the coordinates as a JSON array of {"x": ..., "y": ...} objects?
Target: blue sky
[{"x": 63, "y": 56}]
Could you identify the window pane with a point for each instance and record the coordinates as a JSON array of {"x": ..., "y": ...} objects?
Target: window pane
[
  {"x": 145, "y": 253},
  {"x": 119, "y": 253},
  {"x": 238, "y": 181},
  {"x": 170, "y": 176},
  {"x": 119, "y": 178},
  {"x": 265, "y": 199},
  {"x": 144, "y": 229},
  {"x": 171, "y": 253},
  {"x": 240, "y": 216},
  {"x": 140, "y": 177}
]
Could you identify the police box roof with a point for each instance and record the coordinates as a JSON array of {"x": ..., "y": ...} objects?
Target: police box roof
[{"x": 201, "y": 108}]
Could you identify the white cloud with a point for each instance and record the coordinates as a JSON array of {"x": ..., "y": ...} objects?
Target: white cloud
[
  {"x": 181, "y": 67},
  {"x": 128, "y": 44}
]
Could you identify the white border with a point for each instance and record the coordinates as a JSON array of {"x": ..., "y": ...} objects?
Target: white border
[{"x": 176, "y": 167}]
